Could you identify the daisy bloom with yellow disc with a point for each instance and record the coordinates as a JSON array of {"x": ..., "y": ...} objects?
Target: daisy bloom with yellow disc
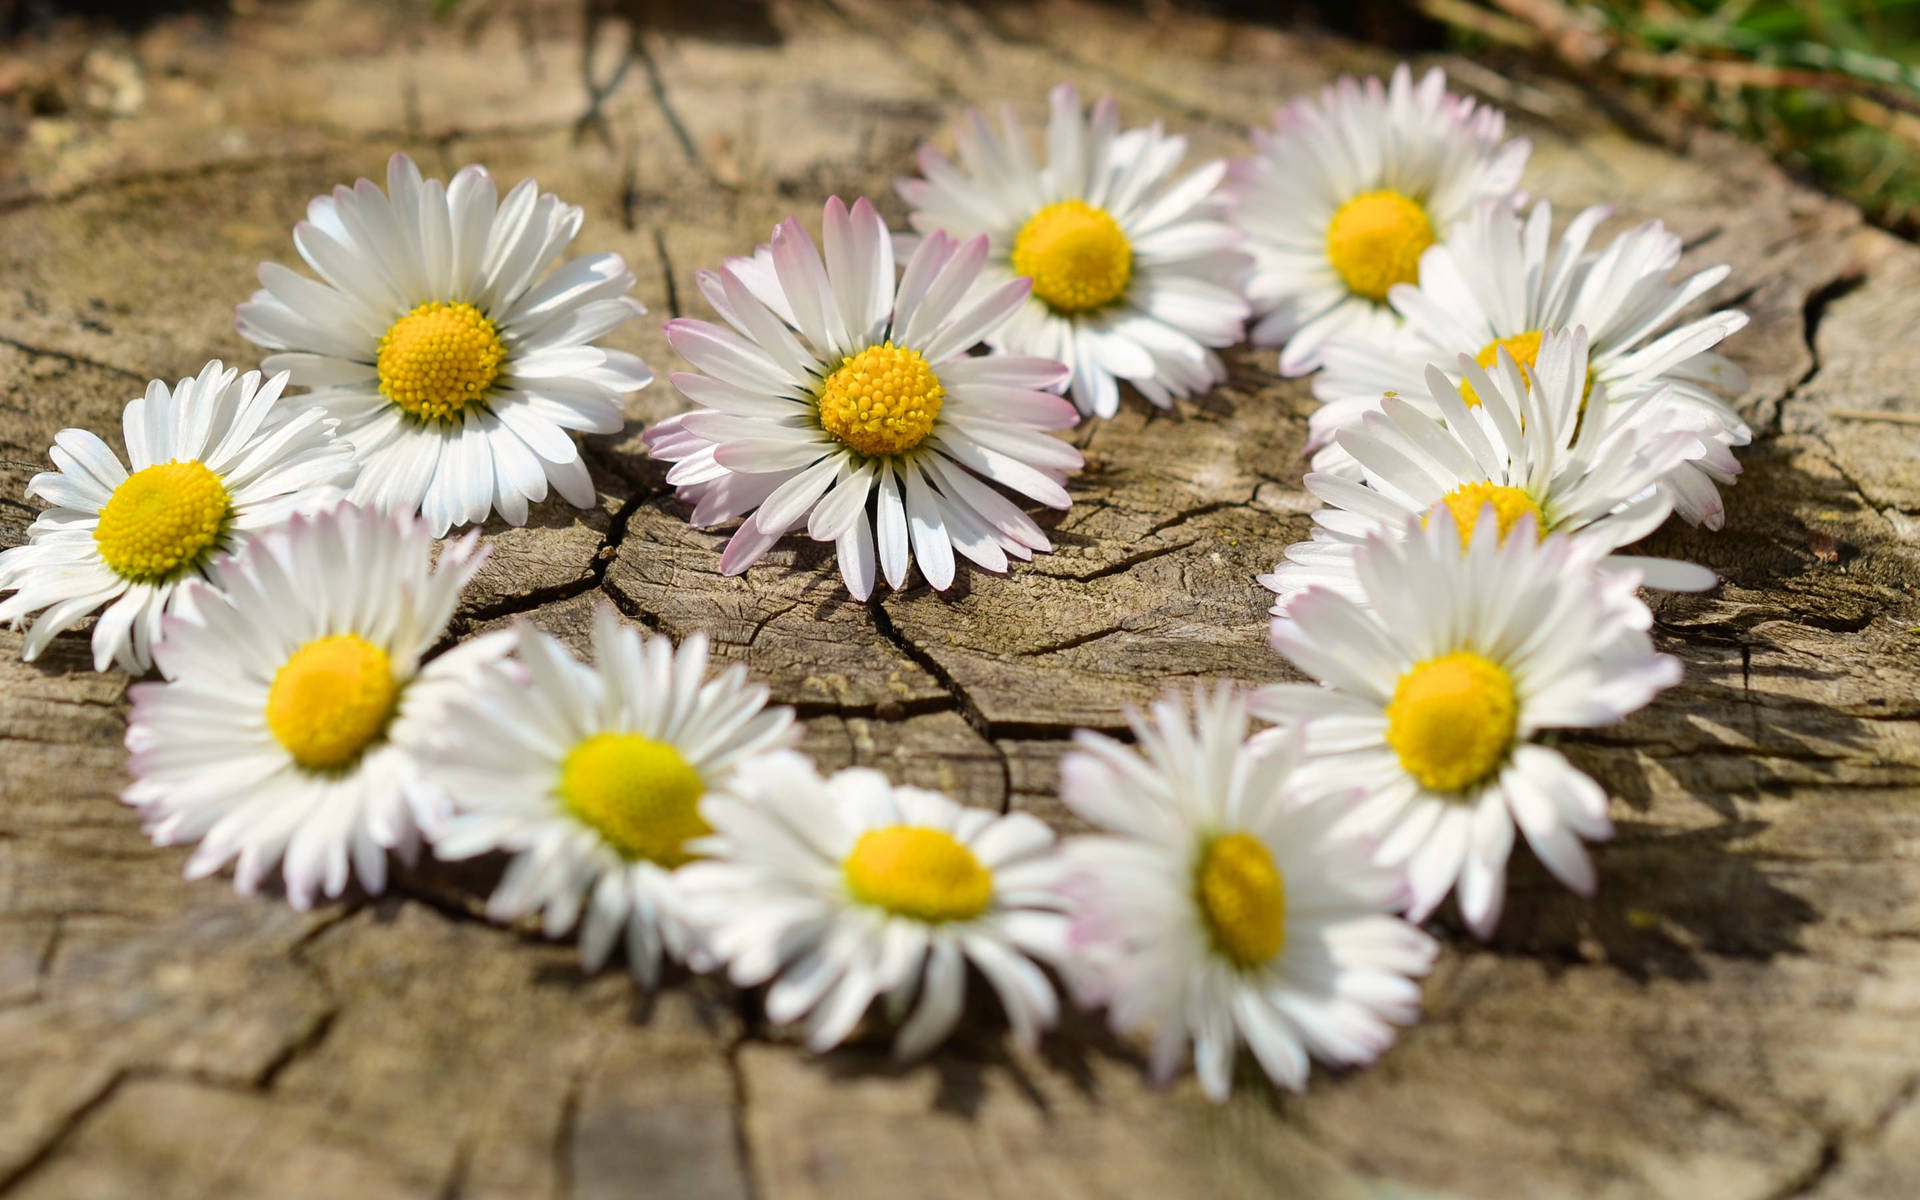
[
  {"x": 1500, "y": 283},
  {"x": 1434, "y": 691},
  {"x": 298, "y": 698},
  {"x": 1343, "y": 195},
  {"x": 214, "y": 460},
  {"x": 1220, "y": 904},
  {"x": 1134, "y": 272},
  {"x": 458, "y": 364},
  {"x": 845, "y": 399},
  {"x": 1537, "y": 441},
  {"x": 592, "y": 778},
  {"x": 836, "y": 892}
]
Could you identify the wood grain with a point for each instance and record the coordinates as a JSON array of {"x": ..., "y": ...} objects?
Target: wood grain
[{"x": 1734, "y": 1015}]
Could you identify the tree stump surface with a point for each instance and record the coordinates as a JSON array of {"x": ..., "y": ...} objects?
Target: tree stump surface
[{"x": 1736, "y": 1015}]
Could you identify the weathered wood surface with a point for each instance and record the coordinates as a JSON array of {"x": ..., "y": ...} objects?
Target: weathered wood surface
[{"x": 1736, "y": 1015}]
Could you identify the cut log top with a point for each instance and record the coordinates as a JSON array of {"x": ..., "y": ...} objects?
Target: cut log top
[{"x": 1734, "y": 1016}]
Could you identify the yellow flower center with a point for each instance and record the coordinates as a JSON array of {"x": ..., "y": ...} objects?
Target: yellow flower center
[
  {"x": 163, "y": 518},
  {"x": 913, "y": 871},
  {"x": 331, "y": 700},
  {"x": 1525, "y": 349},
  {"x": 1509, "y": 505},
  {"x": 438, "y": 359},
  {"x": 1376, "y": 240},
  {"x": 1243, "y": 899},
  {"x": 642, "y": 796},
  {"x": 883, "y": 400},
  {"x": 1077, "y": 256},
  {"x": 1452, "y": 720}
]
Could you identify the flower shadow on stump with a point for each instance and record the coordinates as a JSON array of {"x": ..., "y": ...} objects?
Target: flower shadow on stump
[{"x": 1767, "y": 732}]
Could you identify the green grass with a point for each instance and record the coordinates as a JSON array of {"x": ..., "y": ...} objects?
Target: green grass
[
  {"x": 1854, "y": 127},
  {"x": 1855, "y": 132}
]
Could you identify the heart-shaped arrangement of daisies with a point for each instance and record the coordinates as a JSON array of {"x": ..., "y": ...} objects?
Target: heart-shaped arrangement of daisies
[{"x": 1501, "y": 412}]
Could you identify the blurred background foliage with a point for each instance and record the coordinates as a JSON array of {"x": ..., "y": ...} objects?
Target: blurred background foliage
[{"x": 1832, "y": 87}]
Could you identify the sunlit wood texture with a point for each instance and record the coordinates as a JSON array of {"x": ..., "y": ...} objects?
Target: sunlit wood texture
[{"x": 1734, "y": 1016}]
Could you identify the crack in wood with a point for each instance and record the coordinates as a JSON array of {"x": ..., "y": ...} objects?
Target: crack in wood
[
  {"x": 1122, "y": 566},
  {"x": 70, "y": 358},
  {"x": 969, "y": 711},
  {"x": 563, "y": 1136},
  {"x": 594, "y": 579},
  {"x": 1074, "y": 642},
  {"x": 456, "y": 1183},
  {"x": 69, "y": 1126},
  {"x": 1807, "y": 1181},
  {"x": 666, "y": 272},
  {"x": 301, "y": 1046},
  {"x": 742, "y": 1098}
]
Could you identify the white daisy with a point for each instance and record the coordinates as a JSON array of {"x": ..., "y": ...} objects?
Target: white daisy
[
  {"x": 592, "y": 778},
  {"x": 1344, "y": 193},
  {"x": 296, "y": 705},
  {"x": 1497, "y": 282},
  {"x": 214, "y": 461},
  {"x": 1221, "y": 904},
  {"x": 1436, "y": 689},
  {"x": 1533, "y": 442},
  {"x": 874, "y": 406},
  {"x": 454, "y": 360},
  {"x": 1133, "y": 272},
  {"x": 843, "y": 890}
]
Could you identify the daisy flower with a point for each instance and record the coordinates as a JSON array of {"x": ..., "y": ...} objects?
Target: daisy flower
[
  {"x": 454, "y": 360},
  {"x": 296, "y": 704},
  {"x": 1434, "y": 692},
  {"x": 847, "y": 889},
  {"x": 592, "y": 779},
  {"x": 1497, "y": 282},
  {"x": 1534, "y": 442},
  {"x": 214, "y": 461},
  {"x": 1132, "y": 269},
  {"x": 1343, "y": 194},
  {"x": 1221, "y": 904},
  {"x": 873, "y": 420}
]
